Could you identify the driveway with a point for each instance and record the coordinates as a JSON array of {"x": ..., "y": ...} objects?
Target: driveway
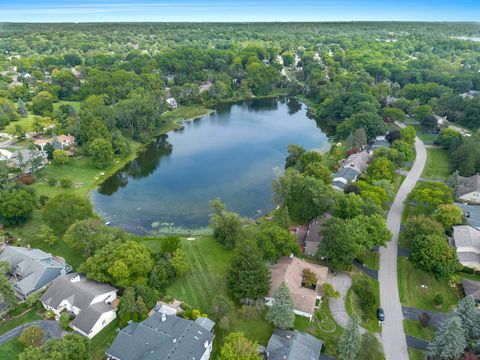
[
  {"x": 52, "y": 330},
  {"x": 393, "y": 335},
  {"x": 341, "y": 282}
]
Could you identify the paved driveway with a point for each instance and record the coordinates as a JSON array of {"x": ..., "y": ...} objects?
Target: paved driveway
[
  {"x": 52, "y": 330},
  {"x": 393, "y": 335}
]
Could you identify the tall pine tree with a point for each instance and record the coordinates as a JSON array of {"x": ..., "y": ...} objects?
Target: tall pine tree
[
  {"x": 248, "y": 277},
  {"x": 469, "y": 318},
  {"x": 281, "y": 312},
  {"x": 449, "y": 342},
  {"x": 349, "y": 343}
]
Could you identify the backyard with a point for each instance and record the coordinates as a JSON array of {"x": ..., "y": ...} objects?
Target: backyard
[{"x": 438, "y": 164}]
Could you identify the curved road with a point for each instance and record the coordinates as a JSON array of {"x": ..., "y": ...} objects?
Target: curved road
[
  {"x": 52, "y": 330},
  {"x": 393, "y": 335}
]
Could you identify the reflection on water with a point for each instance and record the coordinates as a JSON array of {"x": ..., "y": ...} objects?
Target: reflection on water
[{"x": 233, "y": 153}]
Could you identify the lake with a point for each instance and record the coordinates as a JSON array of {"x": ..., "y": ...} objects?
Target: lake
[{"x": 234, "y": 154}]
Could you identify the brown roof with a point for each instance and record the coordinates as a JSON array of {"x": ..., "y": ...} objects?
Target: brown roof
[{"x": 290, "y": 271}]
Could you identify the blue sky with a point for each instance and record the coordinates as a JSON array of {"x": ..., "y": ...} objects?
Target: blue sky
[{"x": 237, "y": 10}]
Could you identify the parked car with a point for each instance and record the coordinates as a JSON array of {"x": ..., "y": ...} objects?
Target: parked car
[{"x": 380, "y": 314}]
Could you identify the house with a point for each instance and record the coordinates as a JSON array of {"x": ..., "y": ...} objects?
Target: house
[
  {"x": 461, "y": 131},
  {"x": 358, "y": 161},
  {"x": 168, "y": 308},
  {"x": 313, "y": 237},
  {"x": 162, "y": 337},
  {"x": 88, "y": 300},
  {"x": 290, "y": 271},
  {"x": 5, "y": 155},
  {"x": 389, "y": 100},
  {"x": 471, "y": 288},
  {"x": 379, "y": 142},
  {"x": 172, "y": 103},
  {"x": 470, "y": 94},
  {"x": 58, "y": 142},
  {"x": 471, "y": 213},
  {"x": 343, "y": 177},
  {"x": 293, "y": 345},
  {"x": 441, "y": 120},
  {"x": 32, "y": 270},
  {"x": 467, "y": 241},
  {"x": 205, "y": 87},
  {"x": 28, "y": 160},
  {"x": 469, "y": 189}
]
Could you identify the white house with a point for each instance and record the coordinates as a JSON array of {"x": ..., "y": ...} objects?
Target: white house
[
  {"x": 5, "y": 154},
  {"x": 469, "y": 189},
  {"x": 172, "y": 103},
  {"x": 89, "y": 301},
  {"x": 467, "y": 242}
]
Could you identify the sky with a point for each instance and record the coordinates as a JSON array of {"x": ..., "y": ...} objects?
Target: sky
[{"x": 237, "y": 10}]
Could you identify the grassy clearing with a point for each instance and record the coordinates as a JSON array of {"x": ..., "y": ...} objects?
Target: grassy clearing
[
  {"x": 438, "y": 164},
  {"x": 428, "y": 138},
  {"x": 8, "y": 325},
  {"x": 410, "y": 281},
  {"x": 352, "y": 304},
  {"x": 74, "y": 104},
  {"x": 370, "y": 259},
  {"x": 185, "y": 112},
  {"x": 415, "y": 354},
  {"x": 415, "y": 328},
  {"x": 206, "y": 279},
  {"x": 11, "y": 350},
  {"x": 103, "y": 340},
  {"x": 26, "y": 123},
  {"x": 324, "y": 328}
]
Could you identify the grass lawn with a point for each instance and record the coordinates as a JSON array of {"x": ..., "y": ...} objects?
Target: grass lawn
[
  {"x": 74, "y": 104},
  {"x": 103, "y": 340},
  {"x": 428, "y": 138},
  {"x": 323, "y": 327},
  {"x": 438, "y": 164},
  {"x": 370, "y": 259},
  {"x": 185, "y": 112},
  {"x": 469, "y": 276},
  {"x": 415, "y": 328},
  {"x": 415, "y": 354},
  {"x": 352, "y": 304},
  {"x": 206, "y": 278},
  {"x": 8, "y": 325},
  {"x": 11, "y": 350},
  {"x": 27, "y": 123},
  {"x": 410, "y": 281}
]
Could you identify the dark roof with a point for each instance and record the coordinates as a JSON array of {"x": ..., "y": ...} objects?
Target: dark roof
[
  {"x": 346, "y": 173},
  {"x": 161, "y": 337},
  {"x": 205, "y": 322},
  {"x": 471, "y": 213},
  {"x": 294, "y": 345},
  {"x": 379, "y": 142},
  {"x": 471, "y": 288},
  {"x": 80, "y": 294},
  {"x": 468, "y": 184}
]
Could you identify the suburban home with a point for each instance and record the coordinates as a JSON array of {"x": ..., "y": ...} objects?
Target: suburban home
[
  {"x": 470, "y": 94},
  {"x": 471, "y": 213},
  {"x": 389, "y": 100},
  {"x": 469, "y": 189},
  {"x": 28, "y": 160},
  {"x": 205, "y": 87},
  {"x": 171, "y": 308},
  {"x": 343, "y": 177},
  {"x": 58, "y": 142},
  {"x": 32, "y": 270},
  {"x": 290, "y": 270},
  {"x": 163, "y": 337},
  {"x": 293, "y": 345},
  {"x": 358, "y": 161},
  {"x": 471, "y": 288},
  {"x": 467, "y": 241},
  {"x": 172, "y": 103},
  {"x": 313, "y": 237},
  {"x": 379, "y": 142},
  {"x": 88, "y": 300},
  {"x": 5, "y": 155},
  {"x": 441, "y": 120}
]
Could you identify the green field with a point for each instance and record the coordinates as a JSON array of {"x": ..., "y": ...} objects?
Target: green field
[
  {"x": 415, "y": 328},
  {"x": 370, "y": 259},
  {"x": 438, "y": 164},
  {"x": 414, "y": 354},
  {"x": 74, "y": 104},
  {"x": 103, "y": 340},
  {"x": 29, "y": 316},
  {"x": 413, "y": 294},
  {"x": 11, "y": 350},
  {"x": 352, "y": 304}
]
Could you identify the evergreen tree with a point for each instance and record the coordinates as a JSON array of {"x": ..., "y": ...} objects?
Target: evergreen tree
[
  {"x": 127, "y": 303},
  {"x": 449, "y": 342},
  {"x": 281, "y": 312},
  {"x": 470, "y": 318},
  {"x": 349, "y": 343},
  {"x": 370, "y": 348},
  {"x": 248, "y": 277},
  {"x": 349, "y": 143},
  {"x": 22, "y": 108}
]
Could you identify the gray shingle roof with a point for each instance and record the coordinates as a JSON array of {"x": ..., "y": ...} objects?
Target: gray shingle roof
[
  {"x": 33, "y": 268},
  {"x": 161, "y": 337},
  {"x": 471, "y": 288},
  {"x": 79, "y": 294},
  {"x": 348, "y": 174},
  {"x": 205, "y": 322},
  {"x": 473, "y": 218},
  {"x": 468, "y": 184},
  {"x": 294, "y": 345}
]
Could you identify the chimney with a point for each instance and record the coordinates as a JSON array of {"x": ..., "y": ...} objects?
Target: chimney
[
  {"x": 288, "y": 337},
  {"x": 75, "y": 279},
  {"x": 164, "y": 317},
  {"x": 205, "y": 344},
  {"x": 174, "y": 340}
]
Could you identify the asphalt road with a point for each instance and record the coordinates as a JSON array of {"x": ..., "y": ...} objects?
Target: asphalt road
[
  {"x": 393, "y": 335},
  {"x": 52, "y": 330}
]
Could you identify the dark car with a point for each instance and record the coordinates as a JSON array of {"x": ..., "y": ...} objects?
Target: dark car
[{"x": 380, "y": 314}]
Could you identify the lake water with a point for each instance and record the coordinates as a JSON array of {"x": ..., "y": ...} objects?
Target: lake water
[{"x": 234, "y": 154}]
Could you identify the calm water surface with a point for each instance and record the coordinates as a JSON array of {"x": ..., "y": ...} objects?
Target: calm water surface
[{"x": 234, "y": 154}]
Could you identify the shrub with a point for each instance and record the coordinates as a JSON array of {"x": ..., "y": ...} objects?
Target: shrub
[
  {"x": 32, "y": 336},
  {"x": 366, "y": 297},
  {"x": 424, "y": 319},
  {"x": 309, "y": 278},
  {"x": 43, "y": 199},
  {"x": 60, "y": 157},
  {"x": 64, "y": 321},
  {"x": 52, "y": 181},
  {"x": 438, "y": 299},
  {"x": 66, "y": 182}
]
